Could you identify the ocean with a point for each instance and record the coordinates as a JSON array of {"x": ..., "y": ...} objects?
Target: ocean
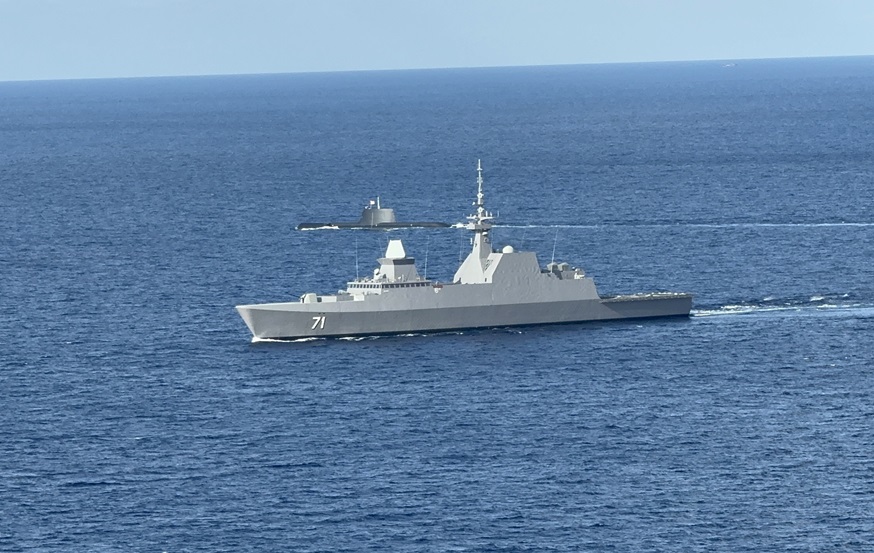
[{"x": 137, "y": 415}]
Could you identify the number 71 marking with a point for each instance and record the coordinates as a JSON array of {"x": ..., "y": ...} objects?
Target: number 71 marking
[{"x": 318, "y": 321}]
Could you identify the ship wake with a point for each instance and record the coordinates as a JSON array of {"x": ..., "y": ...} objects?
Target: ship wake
[
  {"x": 809, "y": 304},
  {"x": 705, "y": 225}
]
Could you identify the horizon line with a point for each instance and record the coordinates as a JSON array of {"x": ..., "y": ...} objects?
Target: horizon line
[{"x": 435, "y": 68}]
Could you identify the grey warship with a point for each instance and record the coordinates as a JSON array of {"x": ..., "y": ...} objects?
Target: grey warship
[
  {"x": 374, "y": 217},
  {"x": 491, "y": 288}
]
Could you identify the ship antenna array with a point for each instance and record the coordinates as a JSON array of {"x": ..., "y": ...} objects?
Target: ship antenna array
[
  {"x": 460, "y": 247},
  {"x": 427, "y": 247},
  {"x": 356, "y": 258},
  {"x": 554, "y": 242},
  {"x": 479, "y": 220},
  {"x": 480, "y": 197}
]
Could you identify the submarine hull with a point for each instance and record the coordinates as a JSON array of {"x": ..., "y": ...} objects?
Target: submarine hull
[{"x": 378, "y": 226}]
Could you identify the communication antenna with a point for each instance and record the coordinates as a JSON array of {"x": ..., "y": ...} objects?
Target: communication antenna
[
  {"x": 427, "y": 247},
  {"x": 554, "y": 242},
  {"x": 356, "y": 258}
]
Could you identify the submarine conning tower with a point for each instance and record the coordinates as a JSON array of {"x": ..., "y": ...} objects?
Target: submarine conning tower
[{"x": 375, "y": 215}]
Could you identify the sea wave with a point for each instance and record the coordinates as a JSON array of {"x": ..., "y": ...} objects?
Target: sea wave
[
  {"x": 682, "y": 224},
  {"x": 325, "y": 227},
  {"x": 256, "y": 340},
  {"x": 817, "y": 302}
]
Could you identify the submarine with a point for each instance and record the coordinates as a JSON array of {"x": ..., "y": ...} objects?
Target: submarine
[{"x": 373, "y": 217}]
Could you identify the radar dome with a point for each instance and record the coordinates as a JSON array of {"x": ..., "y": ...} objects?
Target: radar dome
[{"x": 508, "y": 249}]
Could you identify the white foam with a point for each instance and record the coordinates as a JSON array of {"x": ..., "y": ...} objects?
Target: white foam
[
  {"x": 693, "y": 225},
  {"x": 746, "y": 309},
  {"x": 740, "y": 310},
  {"x": 256, "y": 340}
]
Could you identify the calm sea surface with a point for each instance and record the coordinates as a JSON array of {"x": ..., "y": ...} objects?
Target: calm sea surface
[{"x": 136, "y": 415}]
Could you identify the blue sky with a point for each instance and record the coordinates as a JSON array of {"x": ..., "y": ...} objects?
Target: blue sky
[{"x": 64, "y": 39}]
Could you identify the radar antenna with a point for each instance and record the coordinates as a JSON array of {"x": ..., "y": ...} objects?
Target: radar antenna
[{"x": 479, "y": 221}]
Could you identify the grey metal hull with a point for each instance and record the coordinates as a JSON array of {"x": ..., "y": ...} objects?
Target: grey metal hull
[{"x": 296, "y": 320}]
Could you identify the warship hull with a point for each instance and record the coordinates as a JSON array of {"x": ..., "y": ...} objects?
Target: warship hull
[{"x": 290, "y": 321}]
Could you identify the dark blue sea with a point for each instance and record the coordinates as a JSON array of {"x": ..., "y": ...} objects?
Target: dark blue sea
[{"x": 137, "y": 415}]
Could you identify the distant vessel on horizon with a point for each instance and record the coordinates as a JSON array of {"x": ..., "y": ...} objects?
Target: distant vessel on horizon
[
  {"x": 374, "y": 216},
  {"x": 491, "y": 288}
]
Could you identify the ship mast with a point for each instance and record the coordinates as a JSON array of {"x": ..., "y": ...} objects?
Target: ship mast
[{"x": 480, "y": 222}]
